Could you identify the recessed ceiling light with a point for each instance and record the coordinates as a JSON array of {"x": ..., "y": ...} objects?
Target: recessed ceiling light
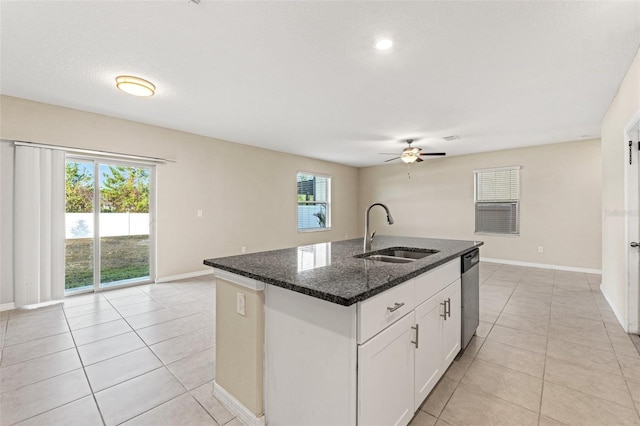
[
  {"x": 383, "y": 44},
  {"x": 135, "y": 86}
]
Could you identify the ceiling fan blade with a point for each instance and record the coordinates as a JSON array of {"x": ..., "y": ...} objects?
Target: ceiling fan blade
[
  {"x": 418, "y": 159},
  {"x": 386, "y": 161},
  {"x": 433, "y": 153}
]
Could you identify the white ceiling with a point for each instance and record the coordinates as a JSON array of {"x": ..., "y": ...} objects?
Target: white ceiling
[{"x": 303, "y": 77}]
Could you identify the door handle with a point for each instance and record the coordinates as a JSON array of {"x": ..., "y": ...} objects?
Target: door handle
[
  {"x": 634, "y": 244},
  {"x": 395, "y": 307},
  {"x": 448, "y": 307},
  {"x": 417, "y": 329},
  {"x": 444, "y": 304}
]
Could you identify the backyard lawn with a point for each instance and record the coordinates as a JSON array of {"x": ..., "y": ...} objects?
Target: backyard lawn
[{"x": 122, "y": 258}]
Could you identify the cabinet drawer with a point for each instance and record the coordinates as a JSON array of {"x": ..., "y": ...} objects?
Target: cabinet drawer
[
  {"x": 431, "y": 282},
  {"x": 381, "y": 311}
]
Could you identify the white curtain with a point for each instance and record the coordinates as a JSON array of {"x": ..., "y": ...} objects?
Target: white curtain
[{"x": 38, "y": 225}]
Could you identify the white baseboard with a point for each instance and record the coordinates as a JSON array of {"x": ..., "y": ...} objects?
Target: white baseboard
[
  {"x": 7, "y": 306},
  {"x": 184, "y": 276},
  {"x": 542, "y": 266},
  {"x": 236, "y": 407},
  {"x": 618, "y": 315}
]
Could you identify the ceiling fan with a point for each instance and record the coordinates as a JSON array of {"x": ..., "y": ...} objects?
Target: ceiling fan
[{"x": 412, "y": 154}]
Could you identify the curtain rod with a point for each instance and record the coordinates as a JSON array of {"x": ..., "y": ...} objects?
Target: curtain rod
[{"x": 94, "y": 152}]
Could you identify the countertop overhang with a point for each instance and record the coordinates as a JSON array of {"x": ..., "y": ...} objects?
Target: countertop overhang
[{"x": 329, "y": 271}]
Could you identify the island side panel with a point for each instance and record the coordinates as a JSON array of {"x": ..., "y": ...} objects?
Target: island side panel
[
  {"x": 311, "y": 360},
  {"x": 240, "y": 344}
]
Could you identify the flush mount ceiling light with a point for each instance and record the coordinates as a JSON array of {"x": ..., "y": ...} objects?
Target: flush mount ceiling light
[
  {"x": 135, "y": 86},
  {"x": 384, "y": 44}
]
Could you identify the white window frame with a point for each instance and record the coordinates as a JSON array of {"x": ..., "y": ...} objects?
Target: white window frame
[
  {"x": 327, "y": 203},
  {"x": 514, "y": 202},
  {"x": 98, "y": 286}
]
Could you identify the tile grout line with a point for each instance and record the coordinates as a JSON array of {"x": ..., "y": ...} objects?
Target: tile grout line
[
  {"x": 444, "y": 407},
  {"x": 546, "y": 350},
  {"x": 590, "y": 395},
  {"x": 93, "y": 395},
  {"x": 75, "y": 346},
  {"x": 163, "y": 365}
]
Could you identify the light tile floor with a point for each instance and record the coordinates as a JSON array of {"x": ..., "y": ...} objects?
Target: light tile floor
[
  {"x": 548, "y": 351},
  {"x": 141, "y": 355}
]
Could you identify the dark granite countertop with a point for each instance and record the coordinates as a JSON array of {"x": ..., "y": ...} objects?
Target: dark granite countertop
[{"x": 329, "y": 271}]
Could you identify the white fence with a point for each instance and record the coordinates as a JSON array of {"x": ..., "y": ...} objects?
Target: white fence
[{"x": 80, "y": 225}]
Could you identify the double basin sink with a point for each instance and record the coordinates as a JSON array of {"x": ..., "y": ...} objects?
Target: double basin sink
[{"x": 397, "y": 254}]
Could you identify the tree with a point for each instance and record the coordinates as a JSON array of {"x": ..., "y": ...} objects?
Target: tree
[
  {"x": 125, "y": 189},
  {"x": 78, "y": 189}
]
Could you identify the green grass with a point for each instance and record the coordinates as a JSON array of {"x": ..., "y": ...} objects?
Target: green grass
[{"x": 122, "y": 258}]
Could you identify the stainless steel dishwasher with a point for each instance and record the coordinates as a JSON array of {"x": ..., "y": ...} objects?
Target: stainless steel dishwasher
[{"x": 470, "y": 295}]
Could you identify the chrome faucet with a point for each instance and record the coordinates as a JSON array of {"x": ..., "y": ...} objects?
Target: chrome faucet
[{"x": 369, "y": 238}]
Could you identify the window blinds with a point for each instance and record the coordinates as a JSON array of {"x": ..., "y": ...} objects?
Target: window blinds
[
  {"x": 498, "y": 185},
  {"x": 497, "y": 200}
]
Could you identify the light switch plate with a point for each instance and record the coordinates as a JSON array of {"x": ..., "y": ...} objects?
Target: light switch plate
[{"x": 240, "y": 304}]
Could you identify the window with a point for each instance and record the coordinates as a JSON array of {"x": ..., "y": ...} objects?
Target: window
[
  {"x": 314, "y": 202},
  {"x": 497, "y": 200},
  {"x": 108, "y": 219}
]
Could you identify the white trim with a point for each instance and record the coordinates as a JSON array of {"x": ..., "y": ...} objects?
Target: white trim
[
  {"x": 619, "y": 316},
  {"x": 7, "y": 306},
  {"x": 10, "y": 306},
  {"x": 239, "y": 280},
  {"x": 497, "y": 169},
  {"x": 312, "y": 174},
  {"x": 632, "y": 320},
  {"x": 236, "y": 407},
  {"x": 184, "y": 276},
  {"x": 543, "y": 266}
]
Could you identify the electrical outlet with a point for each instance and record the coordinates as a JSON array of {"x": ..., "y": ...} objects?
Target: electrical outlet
[
  {"x": 240, "y": 303},
  {"x": 540, "y": 250},
  {"x": 243, "y": 249},
  {"x": 199, "y": 213}
]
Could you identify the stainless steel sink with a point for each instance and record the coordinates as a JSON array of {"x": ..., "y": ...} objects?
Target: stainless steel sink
[
  {"x": 390, "y": 259},
  {"x": 397, "y": 254}
]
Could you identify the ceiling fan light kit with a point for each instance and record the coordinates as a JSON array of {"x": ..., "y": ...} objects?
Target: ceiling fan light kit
[{"x": 411, "y": 154}]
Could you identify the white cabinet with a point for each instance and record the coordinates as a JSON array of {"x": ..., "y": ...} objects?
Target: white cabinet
[
  {"x": 371, "y": 363},
  {"x": 382, "y": 310},
  {"x": 452, "y": 326},
  {"x": 410, "y": 349},
  {"x": 385, "y": 369},
  {"x": 428, "y": 363},
  {"x": 438, "y": 335}
]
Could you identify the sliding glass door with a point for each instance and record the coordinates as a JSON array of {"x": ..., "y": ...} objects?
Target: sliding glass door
[
  {"x": 79, "y": 225},
  {"x": 109, "y": 216}
]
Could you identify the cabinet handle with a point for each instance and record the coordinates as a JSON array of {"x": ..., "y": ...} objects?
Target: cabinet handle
[
  {"x": 448, "y": 307},
  {"x": 417, "y": 329},
  {"x": 395, "y": 307},
  {"x": 445, "y": 310}
]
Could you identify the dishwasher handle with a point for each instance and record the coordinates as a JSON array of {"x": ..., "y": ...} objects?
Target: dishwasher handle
[{"x": 469, "y": 260}]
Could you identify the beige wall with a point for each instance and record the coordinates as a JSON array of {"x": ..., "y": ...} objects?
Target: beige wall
[
  {"x": 240, "y": 344},
  {"x": 560, "y": 202},
  {"x": 614, "y": 251},
  {"x": 248, "y": 195}
]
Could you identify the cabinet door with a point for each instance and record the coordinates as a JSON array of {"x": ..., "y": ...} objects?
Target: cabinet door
[
  {"x": 429, "y": 351},
  {"x": 385, "y": 376},
  {"x": 451, "y": 328}
]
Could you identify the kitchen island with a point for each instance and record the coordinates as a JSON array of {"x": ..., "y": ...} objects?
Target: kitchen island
[{"x": 320, "y": 335}]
